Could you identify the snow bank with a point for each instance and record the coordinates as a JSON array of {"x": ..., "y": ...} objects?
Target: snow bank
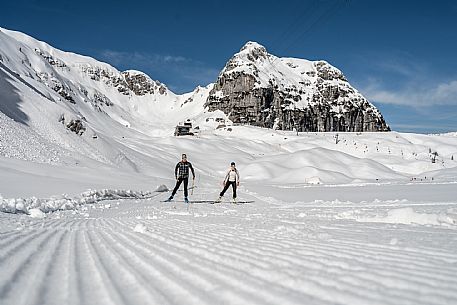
[
  {"x": 31, "y": 205},
  {"x": 313, "y": 180},
  {"x": 162, "y": 188},
  {"x": 140, "y": 228},
  {"x": 36, "y": 213},
  {"x": 406, "y": 216},
  {"x": 409, "y": 216}
]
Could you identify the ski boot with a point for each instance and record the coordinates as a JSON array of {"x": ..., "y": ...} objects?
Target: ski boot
[
  {"x": 234, "y": 201},
  {"x": 169, "y": 199},
  {"x": 186, "y": 200}
]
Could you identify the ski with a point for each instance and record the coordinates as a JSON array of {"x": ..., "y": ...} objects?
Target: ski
[
  {"x": 238, "y": 202},
  {"x": 199, "y": 201},
  {"x": 226, "y": 202},
  {"x": 210, "y": 201}
]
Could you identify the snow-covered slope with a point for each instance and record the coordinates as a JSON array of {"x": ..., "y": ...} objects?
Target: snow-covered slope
[
  {"x": 129, "y": 120},
  {"x": 43, "y": 89},
  {"x": 88, "y": 88}
]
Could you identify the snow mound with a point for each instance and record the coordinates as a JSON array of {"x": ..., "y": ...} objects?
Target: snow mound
[
  {"x": 313, "y": 180},
  {"x": 408, "y": 216},
  {"x": 162, "y": 188},
  {"x": 32, "y": 205},
  {"x": 140, "y": 228},
  {"x": 36, "y": 213}
]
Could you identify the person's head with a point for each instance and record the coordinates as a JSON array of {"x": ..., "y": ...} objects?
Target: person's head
[
  {"x": 184, "y": 157},
  {"x": 232, "y": 165}
]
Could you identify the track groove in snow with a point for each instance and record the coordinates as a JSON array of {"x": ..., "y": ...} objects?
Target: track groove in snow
[
  {"x": 31, "y": 258},
  {"x": 99, "y": 287},
  {"x": 162, "y": 268},
  {"x": 182, "y": 264},
  {"x": 199, "y": 260}
]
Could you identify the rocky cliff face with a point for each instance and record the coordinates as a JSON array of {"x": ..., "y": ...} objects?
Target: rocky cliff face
[
  {"x": 260, "y": 89},
  {"x": 141, "y": 84},
  {"x": 129, "y": 82}
]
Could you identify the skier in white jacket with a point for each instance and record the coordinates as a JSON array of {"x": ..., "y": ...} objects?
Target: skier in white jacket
[{"x": 231, "y": 178}]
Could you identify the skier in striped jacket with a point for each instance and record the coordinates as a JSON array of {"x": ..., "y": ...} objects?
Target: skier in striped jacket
[{"x": 182, "y": 175}]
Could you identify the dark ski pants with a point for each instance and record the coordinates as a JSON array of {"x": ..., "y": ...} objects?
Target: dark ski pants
[
  {"x": 227, "y": 185},
  {"x": 178, "y": 183}
]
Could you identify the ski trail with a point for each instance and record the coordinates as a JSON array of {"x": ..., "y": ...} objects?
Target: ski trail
[
  {"x": 44, "y": 272},
  {"x": 181, "y": 268},
  {"x": 229, "y": 277},
  {"x": 12, "y": 246},
  {"x": 62, "y": 272},
  {"x": 94, "y": 285},
  {"x": 154, "y": 269},
  {"x": 34, "y": 259},
  {"x": 260, "y": 272},
  {"x": 133, "y": 281},
  {"x": 248, "y": 254},
  {"x": 192, "y": 261}
]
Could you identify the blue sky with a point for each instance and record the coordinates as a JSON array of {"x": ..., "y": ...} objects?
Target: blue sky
[{"x": 402, "y": 55}]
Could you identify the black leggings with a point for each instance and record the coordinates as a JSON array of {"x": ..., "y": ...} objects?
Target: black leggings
[
  {"x": 227, "y": 185},
  {"x": 178, "y": 183}
]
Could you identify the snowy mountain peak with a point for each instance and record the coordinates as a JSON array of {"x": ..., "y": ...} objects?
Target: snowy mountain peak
[
  {"x": 251, "y": 45},
  {"x": 253, "y": 51},
  {"x": 261, "y": 89},
  {"x": 248, "y": 60}
]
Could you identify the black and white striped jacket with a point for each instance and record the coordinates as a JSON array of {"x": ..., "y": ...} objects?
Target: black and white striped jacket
[{"x": 182, "y": 170}]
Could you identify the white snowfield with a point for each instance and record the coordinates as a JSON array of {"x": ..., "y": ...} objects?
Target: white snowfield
[
  {"x": 329, "y": 218},
  {"x": 266, "y": 252},
  {"x": 330, "y": 224}
]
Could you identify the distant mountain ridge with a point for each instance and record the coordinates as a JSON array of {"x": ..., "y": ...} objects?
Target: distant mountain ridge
[
  {"x": 80, "y": 85},
  {"x": 255, "y": 88},
  {"x": 57, "y": 106}
]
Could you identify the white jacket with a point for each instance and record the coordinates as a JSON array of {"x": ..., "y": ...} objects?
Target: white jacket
[{"x": 232, "y": 176}]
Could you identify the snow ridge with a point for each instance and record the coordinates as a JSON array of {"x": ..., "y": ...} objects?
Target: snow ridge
[{"x": 25, "y": 205}]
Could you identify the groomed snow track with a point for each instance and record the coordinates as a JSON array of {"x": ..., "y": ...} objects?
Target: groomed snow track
[{"x": 256, "y": 253}]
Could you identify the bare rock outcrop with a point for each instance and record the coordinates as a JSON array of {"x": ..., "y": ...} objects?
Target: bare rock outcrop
[{"x": 260, "y": 89}]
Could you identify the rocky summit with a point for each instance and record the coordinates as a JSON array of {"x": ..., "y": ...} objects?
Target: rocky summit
[{"x": 260, "y": 89}]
